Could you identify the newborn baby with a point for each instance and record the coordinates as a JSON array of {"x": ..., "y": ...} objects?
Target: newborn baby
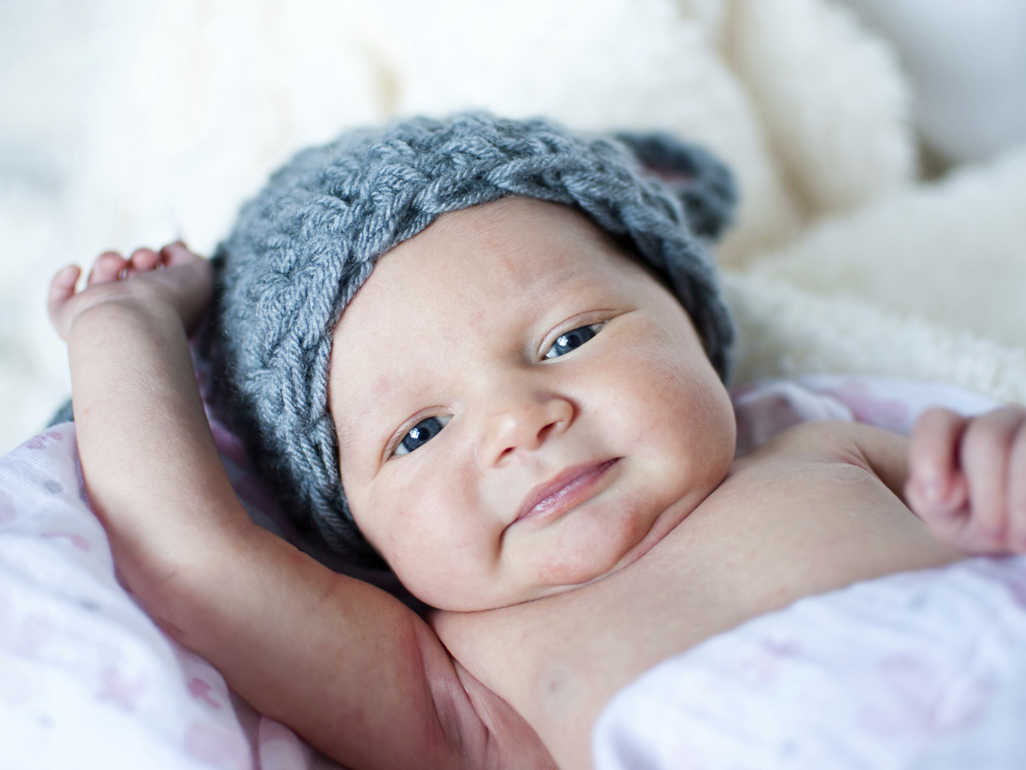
[{"x": 528, "y": 417}]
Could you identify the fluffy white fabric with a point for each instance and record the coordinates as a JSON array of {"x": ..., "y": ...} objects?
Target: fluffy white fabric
[
  {"x": 966, "y": 61},
  {"x": 127, "y": 124}
]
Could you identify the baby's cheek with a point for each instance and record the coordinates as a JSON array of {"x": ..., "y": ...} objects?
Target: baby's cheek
[
  {"x": 557, "y": 572},
  {"x": 434, "y": 545}
]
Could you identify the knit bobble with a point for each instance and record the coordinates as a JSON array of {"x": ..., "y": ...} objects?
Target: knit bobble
[{"x": 700, "y": 181}]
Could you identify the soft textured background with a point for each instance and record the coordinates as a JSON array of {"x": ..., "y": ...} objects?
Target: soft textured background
[{"x": 125, "y": 123}]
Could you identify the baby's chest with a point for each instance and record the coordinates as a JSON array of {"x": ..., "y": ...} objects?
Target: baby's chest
[{"x": 558, "y": 664}]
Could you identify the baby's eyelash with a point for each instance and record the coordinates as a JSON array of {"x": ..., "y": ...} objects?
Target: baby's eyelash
[
  {"x": 420, "y": 434},
  {"x": 571, "y": 340}
]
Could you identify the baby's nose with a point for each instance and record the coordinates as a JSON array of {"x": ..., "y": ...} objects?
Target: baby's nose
[{"x": 524, "y": 424}]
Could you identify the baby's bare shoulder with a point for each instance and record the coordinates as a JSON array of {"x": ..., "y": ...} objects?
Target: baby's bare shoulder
[
  {"x": 828, "y": 440},
  {"x": 840, "y": 445}
]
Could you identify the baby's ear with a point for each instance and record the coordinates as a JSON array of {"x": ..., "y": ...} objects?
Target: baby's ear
[{"x": 702, "y": 183}]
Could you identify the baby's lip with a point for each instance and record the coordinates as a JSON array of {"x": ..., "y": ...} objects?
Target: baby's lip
[{"x": 564, "y": 491}]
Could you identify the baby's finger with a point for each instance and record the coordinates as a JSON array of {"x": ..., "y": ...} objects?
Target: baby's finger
[
  {"x": 144, "y": 260},
  {"x": 176, "y": 253},
  {"x": 108, "y": 267},
  {"x": 1017, "y": 490},
  {"x": 933, "y": 459},
  {"x": 62, "y": 288},
  {"x": 984, "y": 455}
]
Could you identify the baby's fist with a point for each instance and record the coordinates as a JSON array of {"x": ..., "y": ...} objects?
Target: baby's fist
[
  {"x": 173, "y": 275},
  {"x": 967, "y": 478}
]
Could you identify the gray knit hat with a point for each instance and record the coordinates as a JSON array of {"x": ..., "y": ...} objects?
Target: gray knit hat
[{"x": 303, "y": 247}]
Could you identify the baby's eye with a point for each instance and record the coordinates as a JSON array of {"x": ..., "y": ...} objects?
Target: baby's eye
[
  {"x": 421, "y": 433},
  {"x": 572, "y": 340}
]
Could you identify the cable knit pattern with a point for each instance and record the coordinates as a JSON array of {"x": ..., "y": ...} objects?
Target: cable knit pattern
[{"x": 303, "y": 247}]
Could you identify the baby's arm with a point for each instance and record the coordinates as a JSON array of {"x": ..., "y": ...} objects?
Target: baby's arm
[
  {"x": 965, "y": 477},
  {"x": 968, "y": 478},
  {"x": 349, "y": 667}
]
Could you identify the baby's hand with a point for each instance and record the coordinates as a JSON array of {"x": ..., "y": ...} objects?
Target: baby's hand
[
  {"x": 173, "y": 275},
  {"x": 967, "y": 478}
]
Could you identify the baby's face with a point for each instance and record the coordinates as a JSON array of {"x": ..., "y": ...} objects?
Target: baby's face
[{"x": 521, "y": 408}]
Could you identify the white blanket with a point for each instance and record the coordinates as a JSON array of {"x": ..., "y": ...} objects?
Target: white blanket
[
  {"x": 916, "y": 670},
  {"x": 87, "y": 680}
]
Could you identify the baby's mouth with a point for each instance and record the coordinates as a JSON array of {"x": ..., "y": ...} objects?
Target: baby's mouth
[{"x": 566, "y": 490}]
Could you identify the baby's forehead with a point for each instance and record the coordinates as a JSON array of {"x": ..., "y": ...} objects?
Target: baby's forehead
[
  {"x": 511, "y": 248},
  {"x": 516, "y": 236}
]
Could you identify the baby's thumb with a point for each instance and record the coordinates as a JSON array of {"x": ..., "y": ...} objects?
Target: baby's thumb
[
  {"x": 176, "y": 253},
  {"x": 62, "y": 289}
]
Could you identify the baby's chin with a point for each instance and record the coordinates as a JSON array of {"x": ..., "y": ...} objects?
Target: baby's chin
[
  {"x": 558, "y": 576},
  {"x": 500, "y": 599},
  {"x": 490, "y": 595},
  {"x": 580, "y": 561},
  {"x": 626, "y": 542}
]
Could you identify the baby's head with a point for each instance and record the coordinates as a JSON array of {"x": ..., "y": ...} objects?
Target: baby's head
[{"x": 515, "y": 402}]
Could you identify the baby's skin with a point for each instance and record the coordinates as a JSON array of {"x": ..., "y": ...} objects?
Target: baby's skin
[{"x": 532, "y": 437}]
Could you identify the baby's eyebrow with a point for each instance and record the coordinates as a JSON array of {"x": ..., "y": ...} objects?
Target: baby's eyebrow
[
  {"x": 371, "y": 418},
  {"x": 342, "y": 439},
  {"x": 354, "y": 419},
  {"x": 359, "y": 426}
]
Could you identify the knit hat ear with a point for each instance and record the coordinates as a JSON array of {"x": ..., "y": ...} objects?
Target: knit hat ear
[{"x": 699, "y": 180}]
